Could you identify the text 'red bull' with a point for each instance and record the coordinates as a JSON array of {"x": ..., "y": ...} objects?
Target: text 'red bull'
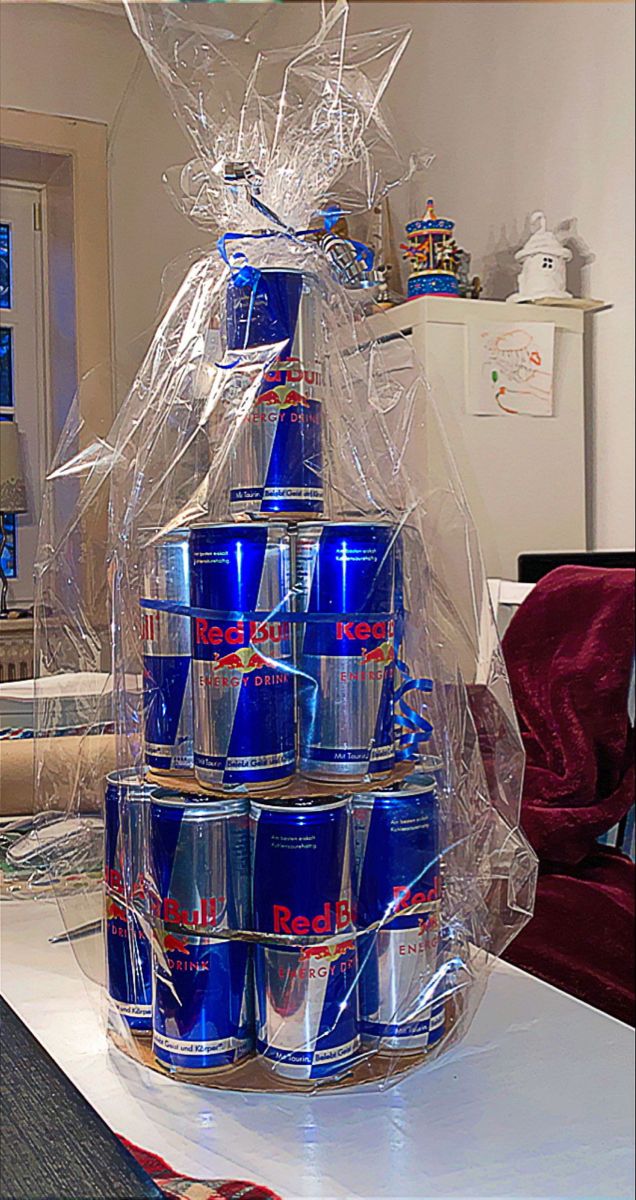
[
  {"x": 207, "y": 914},
  {"x": 332, "y": 919}
]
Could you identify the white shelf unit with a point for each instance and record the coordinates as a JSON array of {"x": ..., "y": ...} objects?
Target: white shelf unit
[{"x": 524, "y": 477}]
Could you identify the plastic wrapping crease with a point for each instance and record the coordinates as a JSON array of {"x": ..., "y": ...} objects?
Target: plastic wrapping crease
[{"x": 279, "y": 137}]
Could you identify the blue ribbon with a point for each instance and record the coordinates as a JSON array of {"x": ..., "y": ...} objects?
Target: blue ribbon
[
  {"x": 413, "y": 727},
  {"x": 186, "y": 610}
]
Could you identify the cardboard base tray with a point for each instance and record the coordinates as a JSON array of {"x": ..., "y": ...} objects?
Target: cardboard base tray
[
  {"x": 254, "y": 1074},
  {"x": 298, "y": 787}
]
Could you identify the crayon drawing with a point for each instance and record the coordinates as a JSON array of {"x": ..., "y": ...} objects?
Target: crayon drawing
[{"x": 510, "y": 370}]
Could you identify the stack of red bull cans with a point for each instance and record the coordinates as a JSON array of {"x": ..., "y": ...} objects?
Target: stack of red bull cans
[
  {"x": 301, "y": 926},
  {"x": 304, "y": 934}
]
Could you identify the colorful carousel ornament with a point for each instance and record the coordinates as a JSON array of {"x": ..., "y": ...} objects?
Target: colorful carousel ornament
[{"x": 433, "y": 255}]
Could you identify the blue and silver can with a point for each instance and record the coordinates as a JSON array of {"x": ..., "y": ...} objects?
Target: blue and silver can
[
  {"x": 167, "y": 654},
  {"x": 199, "y": 889},
  {"x": 345, "y": 580},
  {"x": 277, "y": 464},
  {"x": 306, "y": 994},
  {"x": 128, "y": 971},
  {"x": 244, "y": 730},
  {"x": 396, "y": 837}
]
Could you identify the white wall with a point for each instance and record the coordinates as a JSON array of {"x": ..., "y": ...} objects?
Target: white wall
[{"x": 525, "y": 105}]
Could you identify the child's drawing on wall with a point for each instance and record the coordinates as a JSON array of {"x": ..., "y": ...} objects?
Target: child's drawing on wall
[{"x": 510, "y": 370}]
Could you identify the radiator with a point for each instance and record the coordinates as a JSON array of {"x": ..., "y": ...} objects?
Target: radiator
[{"x": 16, "y": 650}]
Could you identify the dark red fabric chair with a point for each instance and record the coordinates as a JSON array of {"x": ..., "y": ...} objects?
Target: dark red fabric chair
[{"x": 569, "y": 652}]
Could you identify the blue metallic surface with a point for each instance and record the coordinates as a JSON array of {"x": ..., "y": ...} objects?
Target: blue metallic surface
[
  {"x": 346, "y": 680},
  {"x": 202, "y": 1016},
  {"x": 242, "y": 671},
  {"x": 279, "y": 470},
  {"x": 167, "y": 686},
  {"x": 305, "y": 992},
  {"x": 128, "y": 970},
  {"x": 202, "y": 1006},
  {"x": 396, "y": 835}
]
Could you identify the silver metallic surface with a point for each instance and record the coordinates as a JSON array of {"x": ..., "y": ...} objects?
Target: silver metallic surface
[
  {"x": 166, "y": 576},
  {"x": 217, "y": 690},
  {"x": 249, "y": 464}
]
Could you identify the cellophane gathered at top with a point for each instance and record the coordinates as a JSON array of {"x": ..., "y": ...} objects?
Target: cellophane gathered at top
[{"x": 311, "y": 851}]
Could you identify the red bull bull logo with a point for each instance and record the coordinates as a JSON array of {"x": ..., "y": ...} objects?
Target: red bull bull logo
[
  {"x": 244, "y": 659},
  {"x": 115, "y": 911},
  {"x": 327, "y": 952}
]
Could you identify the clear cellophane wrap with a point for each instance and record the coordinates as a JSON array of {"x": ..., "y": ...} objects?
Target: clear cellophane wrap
[{"x": 280, "y": 136}]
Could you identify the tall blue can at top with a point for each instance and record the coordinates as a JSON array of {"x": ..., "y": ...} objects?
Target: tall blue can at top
[{"x": 277, "y": 467}]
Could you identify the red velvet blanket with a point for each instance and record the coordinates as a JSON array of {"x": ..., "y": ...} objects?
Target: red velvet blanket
[{"x": 569, "y": 652}]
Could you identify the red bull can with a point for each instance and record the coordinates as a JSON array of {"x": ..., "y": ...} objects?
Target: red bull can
[
  {"x": 398, "y": 888},
  {"x": 305, "y": 976},
  {"x": 128, "y": 970},
  {"x": 345, "y": 584},
  {"x": 199, "y": 891},
  {"x": 167, "y": 686},
  {"x": 276, "y": 468},
  {"x": 244, "y": 728}
]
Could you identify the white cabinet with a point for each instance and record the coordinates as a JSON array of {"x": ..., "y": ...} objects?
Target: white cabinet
[{"x": 524, "y": 476}]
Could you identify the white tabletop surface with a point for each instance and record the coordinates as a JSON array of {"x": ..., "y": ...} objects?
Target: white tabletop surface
[{"x": 538, "y": 1101}]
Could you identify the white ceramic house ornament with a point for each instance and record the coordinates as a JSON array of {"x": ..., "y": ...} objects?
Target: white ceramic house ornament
[{"x": 543, "y": 260}]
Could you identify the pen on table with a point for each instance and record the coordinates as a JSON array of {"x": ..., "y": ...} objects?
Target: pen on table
[{"x": 70, "y": 935}]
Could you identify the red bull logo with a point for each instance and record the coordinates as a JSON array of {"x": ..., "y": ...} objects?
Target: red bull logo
[
  {"x": 282, "y": 398},
  {"x": 292, "y": 371},
  {"x": 171, "y": 943},
  {"x": 329, "y": 953},
  {"x": 243, "y": 635},
  {"x": 115, "y": 911},
  {"x": 364, "y": 631},
  {"x": 382, "y": 655},
  {"x": 245, "y": 660},
  {"x": 332, "y": 919},
  {"x": 405, "y": 899},
  {"x": 170, "y": 910}
]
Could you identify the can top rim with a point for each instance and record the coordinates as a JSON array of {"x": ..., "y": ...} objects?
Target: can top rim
[
  {"x": 237, "y": 525},
  {"x": 412, "y": 788},
  {"x": 356, "y": 522},
  {"x": 189, "y": 802},
  {"x": 329, "y": 802},
  {"x": 128, "y": 777}
]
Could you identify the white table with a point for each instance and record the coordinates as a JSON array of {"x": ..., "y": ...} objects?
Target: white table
[{"x": 536, "y": 1103}]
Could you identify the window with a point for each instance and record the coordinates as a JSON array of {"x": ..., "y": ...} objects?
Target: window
[
  {"x": 8, "y": 558},
  {"x": 22, "y": 359},
  {"x": 5, "y": 266},
  {"x": 548, "y": 263}
]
